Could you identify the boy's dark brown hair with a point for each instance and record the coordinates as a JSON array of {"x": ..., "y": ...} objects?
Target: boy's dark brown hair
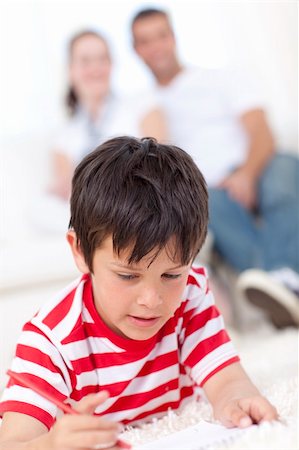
[{"x": 142, "y": 193}]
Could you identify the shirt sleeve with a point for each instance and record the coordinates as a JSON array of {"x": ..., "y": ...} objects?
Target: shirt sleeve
[
  {"x": 206, "y": 347},
  {"x": 241, "y": 91},
  {"x": 142, "y": 104},
  {"x": 38, "y": 360}
]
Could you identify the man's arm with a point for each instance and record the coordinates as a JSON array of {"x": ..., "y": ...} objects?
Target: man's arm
[
  {"x": 242, "y": 183},
  {"x": 235, "y": 399},
  {"x": 261, "y": 141},
  {"x": 154, "y": 125}
]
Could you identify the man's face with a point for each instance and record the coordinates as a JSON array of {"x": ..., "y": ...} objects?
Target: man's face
[
  {"x": 154, "y": 42},
  {"x": 135, "y": 301}
]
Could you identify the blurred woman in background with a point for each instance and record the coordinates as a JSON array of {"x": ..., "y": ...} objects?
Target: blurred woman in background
[{"x": 95, "y": 112}]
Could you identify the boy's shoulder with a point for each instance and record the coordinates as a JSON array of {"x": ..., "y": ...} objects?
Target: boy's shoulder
[
  {"x": 198, "y": 276},
  {"x": 59, "y": 314},
  {"x": 197, "y": 296},
  {"x": 197, "y": 282}
]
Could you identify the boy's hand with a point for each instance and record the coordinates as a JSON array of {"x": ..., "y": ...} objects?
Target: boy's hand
[
  {"x": 244, "y": 412},
  {"x": 84, "y": 431},
  {"x": 235, "y": 400}
]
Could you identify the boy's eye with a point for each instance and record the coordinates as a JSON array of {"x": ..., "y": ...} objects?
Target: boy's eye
[
  {"x": 126, "y": 276},
  {"x": 171, "y": 276}
]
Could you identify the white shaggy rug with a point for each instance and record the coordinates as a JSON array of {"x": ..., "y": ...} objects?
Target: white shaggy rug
[{"x": 270, "y": 357}]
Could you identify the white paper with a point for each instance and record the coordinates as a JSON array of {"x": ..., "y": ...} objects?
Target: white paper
[{"x": 196, "y": 437}]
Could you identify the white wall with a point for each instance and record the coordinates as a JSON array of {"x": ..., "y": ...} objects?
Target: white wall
[{"x": 258, "y": 35}]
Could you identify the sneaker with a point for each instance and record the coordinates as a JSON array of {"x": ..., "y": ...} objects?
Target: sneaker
[{"x": 275, "y": 292}]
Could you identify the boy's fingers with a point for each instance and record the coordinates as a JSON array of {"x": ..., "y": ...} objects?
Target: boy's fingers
[
  {"x": 92, "y": 439},
  {"x": 86, "y": 422},
  {"x": 89, "y": 403},
  {"x": 271, "y": 415},
  {"x": 244, "y": 412},
  {"x": 245, "y": 421},
  {"x": 239, "y": 418},
  {"x": 259, "y": 410}
]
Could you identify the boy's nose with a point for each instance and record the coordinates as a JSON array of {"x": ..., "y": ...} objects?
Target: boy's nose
[{"x": 150, "y": 298}]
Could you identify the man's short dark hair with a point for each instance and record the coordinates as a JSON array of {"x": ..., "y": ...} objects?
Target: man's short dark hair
[
  {"x": 142, "y": 193},
  {"x": 148, "y": 12}
]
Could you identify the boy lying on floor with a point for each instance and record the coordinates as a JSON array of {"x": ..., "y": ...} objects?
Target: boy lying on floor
[{"x": 139, "y": 330}]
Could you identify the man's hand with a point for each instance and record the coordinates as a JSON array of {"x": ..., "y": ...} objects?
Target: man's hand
[{"x": 241, "y": 186}]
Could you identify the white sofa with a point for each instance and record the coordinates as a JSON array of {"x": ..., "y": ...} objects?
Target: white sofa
[
  {"x": 33, "y": 263},
  {"x": 28, "y": 254}
]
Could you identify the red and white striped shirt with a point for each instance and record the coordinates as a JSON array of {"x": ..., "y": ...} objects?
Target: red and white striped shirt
[{"x": 68, "y": 350}]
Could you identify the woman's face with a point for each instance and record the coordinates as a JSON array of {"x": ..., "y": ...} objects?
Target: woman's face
[{"x": 90, "y": 68}]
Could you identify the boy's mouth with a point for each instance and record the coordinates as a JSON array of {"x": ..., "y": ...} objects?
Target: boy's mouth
[{"x": 143, "y": 321}]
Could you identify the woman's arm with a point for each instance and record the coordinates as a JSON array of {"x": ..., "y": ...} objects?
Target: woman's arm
[{"x": 62, "y": 169}]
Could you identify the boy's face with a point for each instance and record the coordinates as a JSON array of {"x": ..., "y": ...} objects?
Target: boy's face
[{"x": 135, "y": 301}]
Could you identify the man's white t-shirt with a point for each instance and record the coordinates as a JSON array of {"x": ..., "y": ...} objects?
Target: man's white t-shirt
[{"x": 202, "y": 108}]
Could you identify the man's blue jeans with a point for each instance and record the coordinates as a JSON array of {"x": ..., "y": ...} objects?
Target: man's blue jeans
[{"x": 269, "y": 240}]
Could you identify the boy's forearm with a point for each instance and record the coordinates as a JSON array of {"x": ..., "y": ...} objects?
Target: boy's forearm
[
  {"x": 230, "y": 383},
  {"x": 233, "y": 391},
  {"x": 11, "y": 445},
  {"x": 35, "y": 444}
]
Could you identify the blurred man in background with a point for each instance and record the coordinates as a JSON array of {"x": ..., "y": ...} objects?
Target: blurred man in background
[{"x": 253, "y": 203}]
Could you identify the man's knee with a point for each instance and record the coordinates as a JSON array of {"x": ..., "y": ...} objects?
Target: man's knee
[
  {"x": 280, "y": 180},
  {"x": 218, "y": 201}
]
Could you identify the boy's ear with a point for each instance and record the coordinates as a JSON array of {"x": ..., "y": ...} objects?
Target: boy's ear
[{"x": 77, "y": 252}]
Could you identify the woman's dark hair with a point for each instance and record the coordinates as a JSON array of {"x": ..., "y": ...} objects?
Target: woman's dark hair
[
  {"x": 71, "y": 98},
  {"x": 142, "y": 193}
]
